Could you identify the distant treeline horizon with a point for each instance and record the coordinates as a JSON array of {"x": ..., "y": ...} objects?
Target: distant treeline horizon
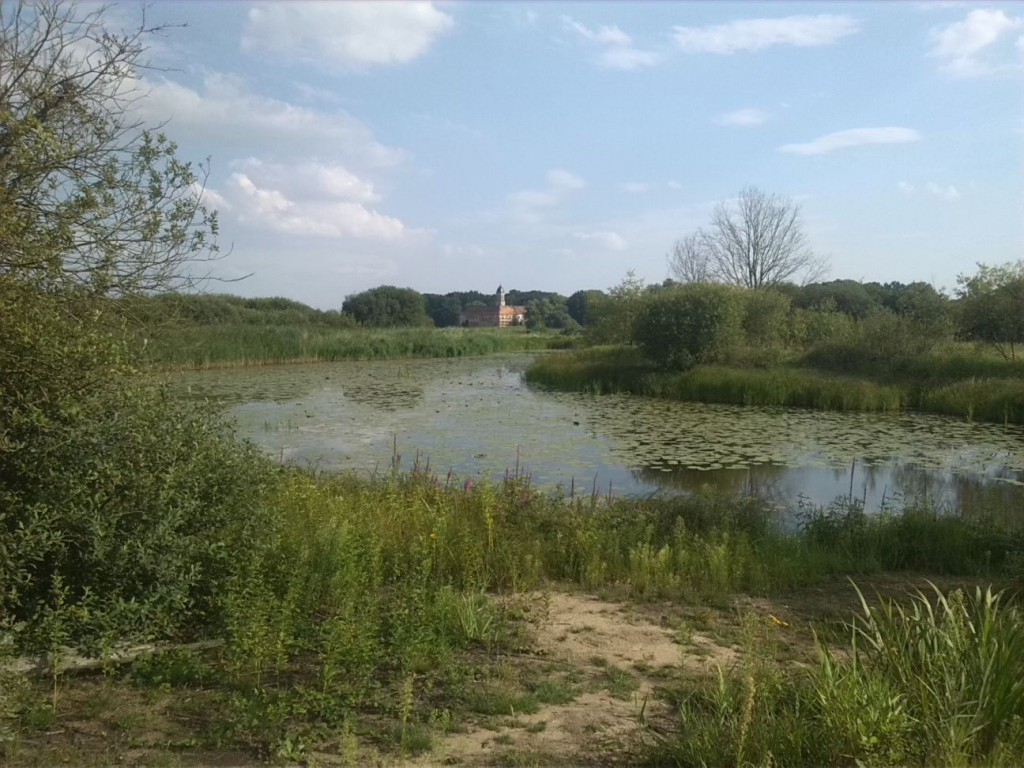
[{"x": 390, "y": 306}]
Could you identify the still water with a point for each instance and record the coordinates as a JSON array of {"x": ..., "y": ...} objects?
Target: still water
[{"x": 477, "y": 417}]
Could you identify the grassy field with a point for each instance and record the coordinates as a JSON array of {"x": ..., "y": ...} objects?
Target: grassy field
[
  {"x": 198, "y": 346},
  {"x": 384, "y": 615},
  {"x": 967, "y": 384}
]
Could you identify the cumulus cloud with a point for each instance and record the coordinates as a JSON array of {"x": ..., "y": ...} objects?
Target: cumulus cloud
[
  {"x": 756, "y": 34},
  {"x": 855, "y": 137},
  {"x": 306, "y": 199},
  {"x": 745, "y": 118},
  {"x": 619, "y": 52},
  {"x": 352, "y": 35},
  {"x": 613, "y": 241},
  {"x": 226, "y": 110},
  {"x": 960, "y": 44}
]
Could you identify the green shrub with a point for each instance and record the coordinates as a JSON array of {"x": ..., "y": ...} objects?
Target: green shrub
[{"x": 693, "y": 324}]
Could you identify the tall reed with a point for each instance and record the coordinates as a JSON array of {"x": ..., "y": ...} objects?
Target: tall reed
[{"x": 210, "y": 345}]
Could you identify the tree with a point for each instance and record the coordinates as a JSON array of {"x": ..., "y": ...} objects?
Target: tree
[
  {"x": 549, "y": 313},
  {"x": 387, "y": 306},
  {"x": 992, "y": 306},
  {"x": 443, "y": 310},
  {"x": 690, "y": 259},
  {"x": 91, "y": 199},
  {"x": 611, "y": 316},
  {"x": 125, "y": 513},
  {"x": 580, "y": 303},
  {"x": 756, "y": 242}
]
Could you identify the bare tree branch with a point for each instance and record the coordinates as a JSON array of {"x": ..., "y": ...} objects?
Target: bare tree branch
[
  {"x": 756, "y": 241},
  {"x": 689, "y": 261}
]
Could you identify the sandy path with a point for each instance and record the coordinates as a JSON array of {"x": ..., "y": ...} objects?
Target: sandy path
[{"x": 589, "y": 636}]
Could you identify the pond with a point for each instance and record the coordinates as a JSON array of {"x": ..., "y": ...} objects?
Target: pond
[{"x": 476, "y": 417}]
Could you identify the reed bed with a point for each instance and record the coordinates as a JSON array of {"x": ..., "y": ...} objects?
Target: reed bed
[
  {"x": 923, "y": 384},
  {"x": 995, "y": 400},
  {"x": 607, "y": 371},
  {"x": 199, "y": 346}
]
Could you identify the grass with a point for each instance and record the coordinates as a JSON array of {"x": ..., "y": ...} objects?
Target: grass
[
  {"x": 957, "y": 382},
  {"x": 198, "y": 346},
  {"x": 932, "y": 680},
  {"x": 380, "y": 603}
]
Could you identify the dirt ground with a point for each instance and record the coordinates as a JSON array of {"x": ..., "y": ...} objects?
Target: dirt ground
[
  {"x": 609, "y": 662},
  {"x": 602, "y": 641}
]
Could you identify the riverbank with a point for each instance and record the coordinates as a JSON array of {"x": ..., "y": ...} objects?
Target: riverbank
[
  {"x": 973, "y": 388},
  {"x": 190, "y": 346},
  {"x": 390, "y": 618}
]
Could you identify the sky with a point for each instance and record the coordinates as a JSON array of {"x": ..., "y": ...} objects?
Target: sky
[{"x": 555, "y": 146}]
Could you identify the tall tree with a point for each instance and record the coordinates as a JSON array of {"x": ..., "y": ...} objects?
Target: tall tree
[
  {"x": 387, "y": 306},
  {"x": 755, "y": 241},
  {"x": 992, "y": 306}
]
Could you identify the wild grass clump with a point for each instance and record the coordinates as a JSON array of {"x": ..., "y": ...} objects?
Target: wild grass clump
[
  {"x": 994, "y": 400},
  {"x": 199, "y": 346},
  {"x": 930, "y": 681},
  {"x": 945, "y": 671},
  {"x": 606, "y": 370},
  {"x": 778, "y": 387},
  {"x": 598, "y": 370},
  {"x": 916, "y": 538}
]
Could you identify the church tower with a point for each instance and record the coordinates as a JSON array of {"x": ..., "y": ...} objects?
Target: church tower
[{"x": 501, "y": 296}]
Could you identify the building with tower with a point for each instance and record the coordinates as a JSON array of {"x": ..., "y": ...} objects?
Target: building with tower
[{"x": 500, "y": 316}]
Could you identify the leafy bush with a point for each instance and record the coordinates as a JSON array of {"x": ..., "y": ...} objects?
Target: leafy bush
[
  {"x": 124, "y": 512},
  {"x": 692, "y": 324}
]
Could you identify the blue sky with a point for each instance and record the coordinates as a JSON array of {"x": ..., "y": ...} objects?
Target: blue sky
[{"x": 554, "y": 146}]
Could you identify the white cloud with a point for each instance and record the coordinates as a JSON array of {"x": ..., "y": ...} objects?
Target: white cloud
[
  {"x": 757, "y": 34},
  {"x": 619, "y": 52},
  {"x": 613, "y": 241},
  {"x": 604, "y": 35},
  {"x": 226, "y": 111},
  {"x": 853, "y": 138},
  {"x": 636, "y": 187},
  {"x": 960, "y": 43},
  {"x": 311, "y": 180},
  {"x": 948, "y": 193},
  {"x": 673, "y": 184},
  {"x": 527, "y": 203},
  {"x": 353, "y": 35},
  {"x": 629, "y": 58},
  {"x": 743, "y": 117},
  {"x": 906, "y": 188},
  {"x": 306, "y": 199},
  {"x": 563, "y": 179}
]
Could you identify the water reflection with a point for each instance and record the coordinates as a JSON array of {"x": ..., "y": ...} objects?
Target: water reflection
[{"x": 475, "y": 416}]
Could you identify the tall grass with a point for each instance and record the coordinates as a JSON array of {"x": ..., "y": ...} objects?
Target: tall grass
[
  {"x": 930, "y": 681},
  {"x": 928, "y": 383},
  {"x": 211, "y": 345},
  {"x": 997, "y": 400},
  {"x": 607, "y": 370}
]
